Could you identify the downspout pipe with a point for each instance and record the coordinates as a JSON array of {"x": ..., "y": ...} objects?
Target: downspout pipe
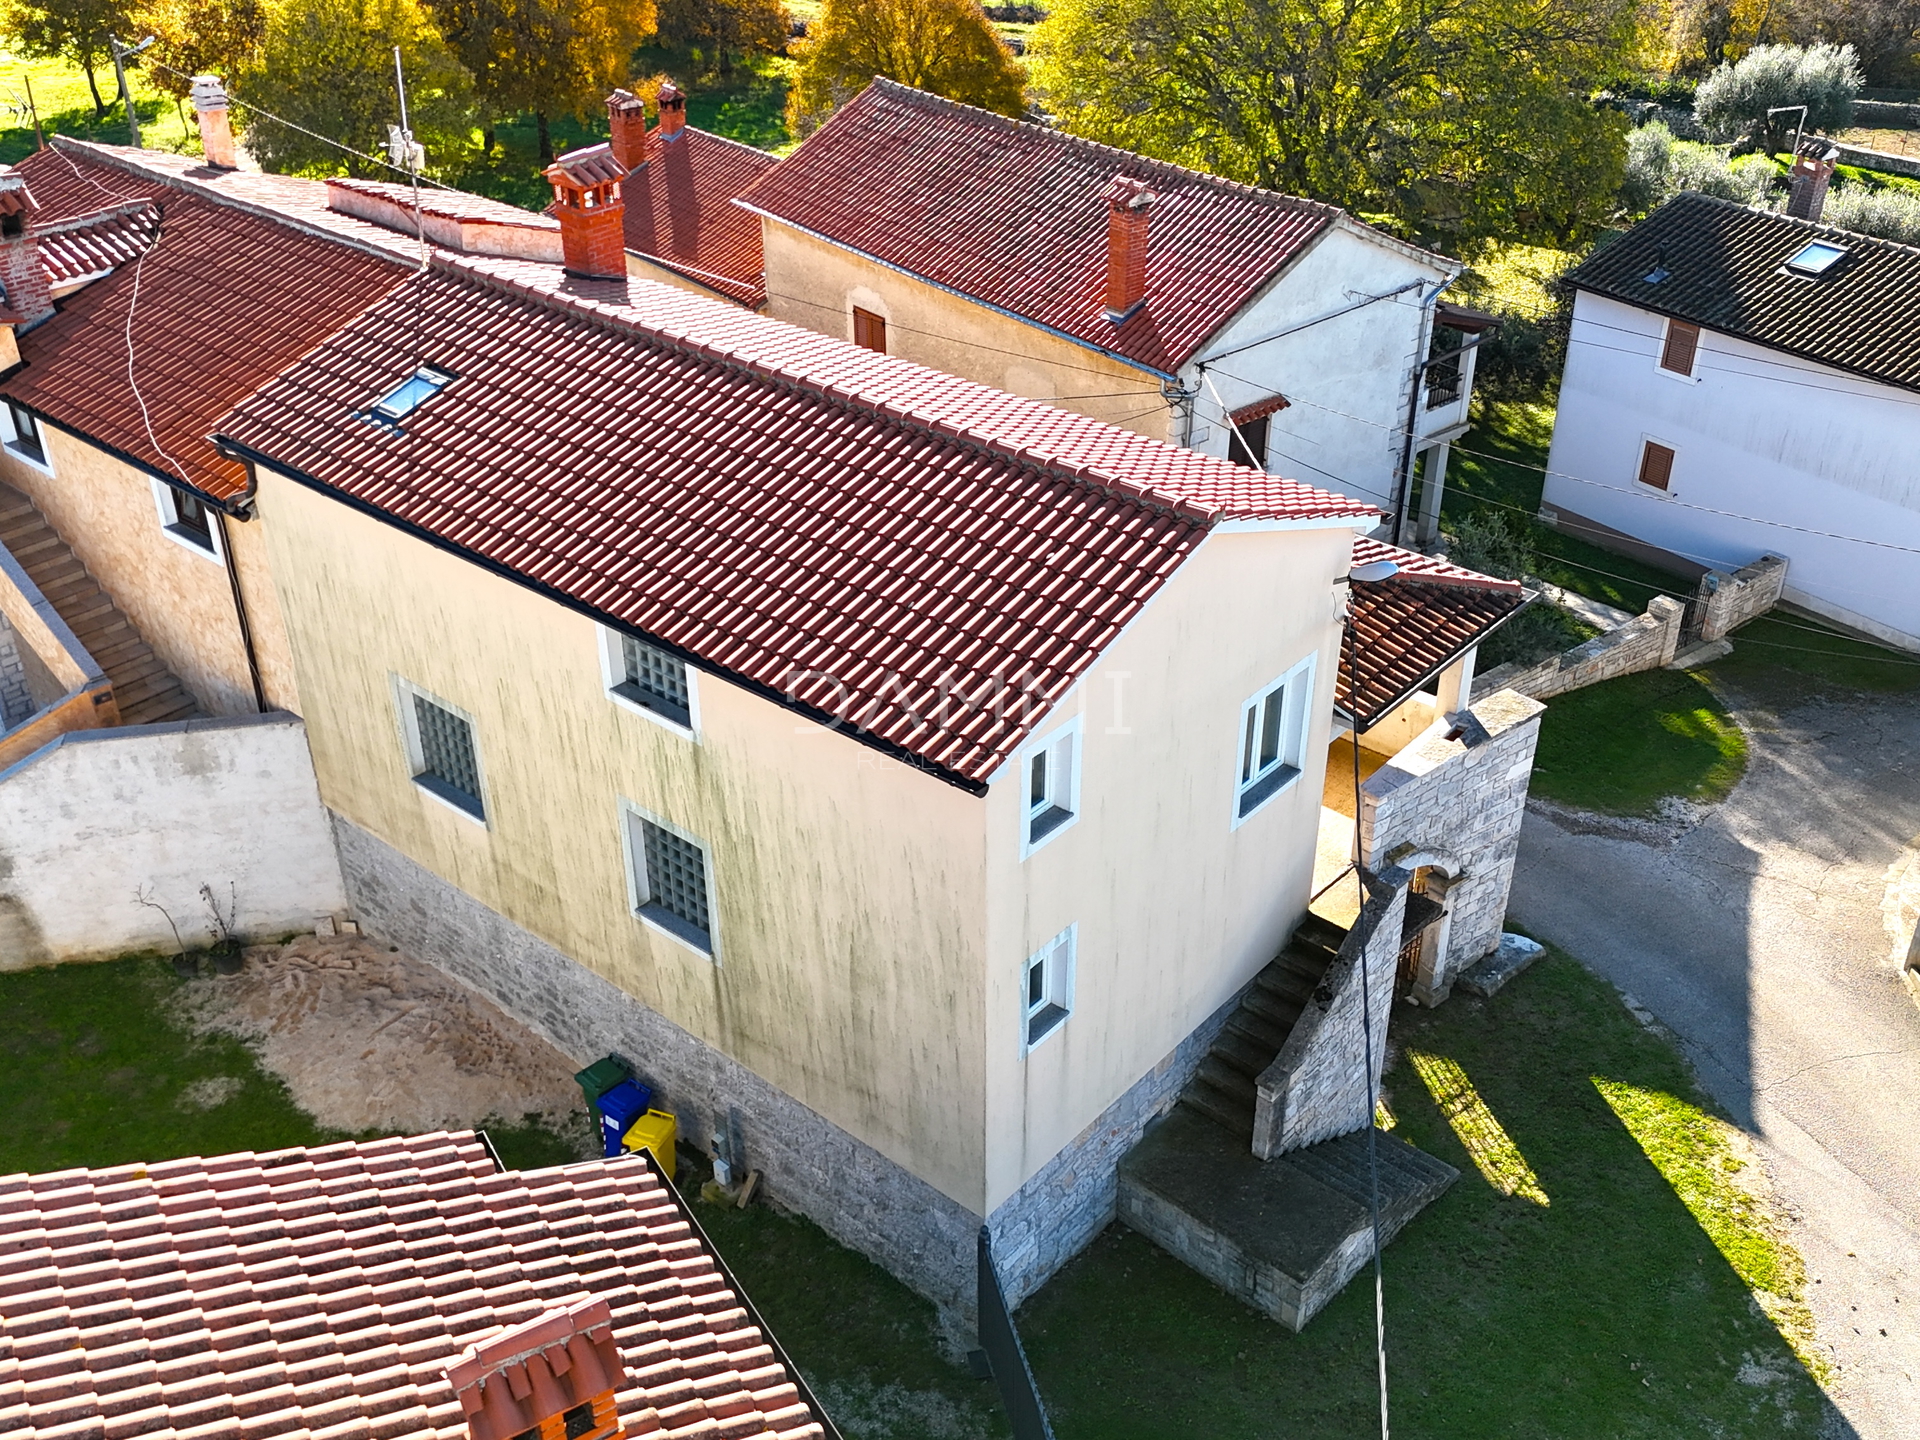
[{"x": 240, "y": 612}]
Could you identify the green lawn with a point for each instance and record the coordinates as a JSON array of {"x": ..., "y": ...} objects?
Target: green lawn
[
  {"x": 1624, "y": 745},
  {"x": 1608, "y": 1312},
  {"x": 66, "y": 108}
]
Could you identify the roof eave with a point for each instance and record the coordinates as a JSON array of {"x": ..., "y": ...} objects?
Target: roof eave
[{"x": 1477, "y": 639}]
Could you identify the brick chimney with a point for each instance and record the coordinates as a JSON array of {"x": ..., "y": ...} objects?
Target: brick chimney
[
  {"x": 673, "y": 111},
  {"x": 1807, "y": 181},
  {"x": 553, "y": 1376},
  {"x": 22, "y": 275},
  {"x": 627, "y": 114},
  {"x": 216, "y": 132},
  {"x": 1128, "y": 201},
  {"x": 587, "y": 203}
]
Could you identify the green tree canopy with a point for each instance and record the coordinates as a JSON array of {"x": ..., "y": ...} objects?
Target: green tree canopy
[
  {"x": 327, "y": 65},
  {"x": 75, "y": 30},
  {"x": 712, "y": 36},
  {"x": 948, "y": 47},
  {"x": 1451, "y": 121},
  {"x": 550, "y": 57},
  {"x": 1733, "y": 101},
  {"x": 201, "y": 37}
]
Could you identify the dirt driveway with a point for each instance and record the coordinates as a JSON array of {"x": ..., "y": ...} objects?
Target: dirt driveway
[{"x": 1761, "y": 933}]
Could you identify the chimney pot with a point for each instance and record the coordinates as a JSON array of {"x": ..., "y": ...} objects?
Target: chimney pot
[
  {"x": 592, "y": 216},
  {"x": 1128, "y": 201},
  {"x": 673, "y": 111},
  {"x": 627, "y": 116},
  {"x": 23, "y": 277},
  {"x": 216, "y": 130},
  {"x": 1812, "y": 169}
]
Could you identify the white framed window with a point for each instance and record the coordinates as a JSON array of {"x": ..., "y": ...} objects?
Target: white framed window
[
  {"x": 655, "y": 682},
  {"x": 187, "y": 520},
  {"x": 1049, "y": 786},
  {"x": 1679, "y": 350},
  {"x": 441, "y": 754},
  {"x": 669, "y": 878},
  {"x": 1272, "y": 733},
  {"x": 1656, "y": 464},
  {"x": 23, "y": 436},
  {"x": 1046, "y": 988}
]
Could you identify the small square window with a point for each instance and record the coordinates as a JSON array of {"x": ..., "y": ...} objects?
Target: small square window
[
  {"x": 23, "y": 436},
  {"x": 869, "y": 330},
  {"x": 411, "y": 393},
  {"x": 1046, "y": 988},
  {"x": 187, "y": 519},
  {"x": 1050, "y": 786},
  {"x": 1247, "y": 442},
  {"x": 1816, "y": 257},
  {"x": 440, "y": 750},
  {"x": 670, "y": 880},
  {"x": 654, "y": 680},
  {"x": 1272, "y": 730},
  {"x": 1656, "y": 464},
  {"x": 1682, "y": 345}
]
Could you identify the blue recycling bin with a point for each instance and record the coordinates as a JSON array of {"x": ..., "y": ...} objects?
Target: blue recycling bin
[{"x": 619, "y": 1108}]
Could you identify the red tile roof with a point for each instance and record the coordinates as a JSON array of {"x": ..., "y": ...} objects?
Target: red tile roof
[
  {"x": 680, "y": 211},
  {"x": 226, "y": 298},
  {"x": 821, "y": 522},
  {"x": 1410, "y": 627},
  {"x": 1011, "y": 214},
  {"x": 88, "y": 244},
  {"x": 325, "y": 1293}
]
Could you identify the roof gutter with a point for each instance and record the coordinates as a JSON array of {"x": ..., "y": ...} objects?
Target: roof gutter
[
  {"x": 236, "y": 506},
  {"x": 827, "y": 720}
]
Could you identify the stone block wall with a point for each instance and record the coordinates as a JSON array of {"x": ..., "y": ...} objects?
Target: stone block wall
[
  {"x": 16, "y": 701},
  {"x": 1313, "y": 1090},
  {"x": 1726, "y": 602},
  {"x": 1454, "y": 800},
  {"x": 1645, "y": 643}
]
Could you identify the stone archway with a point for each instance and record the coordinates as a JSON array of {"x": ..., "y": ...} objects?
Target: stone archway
[{"x": 1437, "y": 876}]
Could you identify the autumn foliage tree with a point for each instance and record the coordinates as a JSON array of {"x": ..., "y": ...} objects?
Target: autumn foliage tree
[
  {"x": 1455, "y": 122},
  {"x": 713, "y": 36},
  {"x": 201, "y": 37},
  {"x": 547, "y": 57},
  {"x": 948, "y": 47}
]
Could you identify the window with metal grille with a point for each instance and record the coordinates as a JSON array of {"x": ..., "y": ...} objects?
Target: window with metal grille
[
  {"x": 654, "y": 680},
  {"x": 446, "y": 759},
  {"x": 1683, "y": 343},
  {"x": 672, "y": 882},
  {"x": 869, "y": 330},
  {"x": 1656, "y": 465}
]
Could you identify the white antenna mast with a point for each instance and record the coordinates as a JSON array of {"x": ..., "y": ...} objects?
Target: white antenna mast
[{"x": 408, "y": 154}]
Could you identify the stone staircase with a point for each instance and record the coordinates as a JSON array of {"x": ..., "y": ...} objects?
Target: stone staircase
[
  {"x": 146, "y": 691},
  {"x": 1223, "y": 1087}
]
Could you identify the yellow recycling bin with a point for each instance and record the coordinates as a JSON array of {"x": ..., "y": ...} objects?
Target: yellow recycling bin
[{"x": 654, "y": 1132}]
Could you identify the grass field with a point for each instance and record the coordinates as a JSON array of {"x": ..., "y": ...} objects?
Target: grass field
[
  {"x": 1624, "y": 746},
  {"x": 65, "y": 105}
]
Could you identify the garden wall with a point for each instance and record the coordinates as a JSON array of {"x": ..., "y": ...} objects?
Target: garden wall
[
  {"x": 1645, "y": 643},
  {"x": 1726, "y": 602},
  {"x": 1879, "y": 160},
  {"x": 98, "y": 816}
]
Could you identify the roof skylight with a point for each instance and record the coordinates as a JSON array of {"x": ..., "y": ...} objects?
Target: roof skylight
[
  {"x": 1816, "y": 257},
  {"x": 411, "y": 393}
]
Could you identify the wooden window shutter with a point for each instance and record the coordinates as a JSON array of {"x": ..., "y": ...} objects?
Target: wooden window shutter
[
  {"x": 1683, "y": 343},
  {"x": 869, "y": 330},
  {"x": 1656, "y": 465}
]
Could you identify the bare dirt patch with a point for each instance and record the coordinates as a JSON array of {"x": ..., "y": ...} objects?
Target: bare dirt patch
[{"x": 367, "y": 1038}]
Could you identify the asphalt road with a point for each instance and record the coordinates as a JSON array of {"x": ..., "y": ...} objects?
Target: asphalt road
[{"x": 1755, "y": 932}]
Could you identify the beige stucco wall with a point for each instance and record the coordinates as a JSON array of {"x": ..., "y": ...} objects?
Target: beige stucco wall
[
  {"x": 850, "y": 887},
  {"x": 179, "y": 600},
  {"x": 1176, "y": 908},
  {"x": 816, "y": 284}
]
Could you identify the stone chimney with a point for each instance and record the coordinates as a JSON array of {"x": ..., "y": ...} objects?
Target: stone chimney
[
  {"x": 1128, "y": 201},
  {"x": 216, "y": 132},
  {"x": 627, "y": 114},
  {"x": 673, "y": 111},
  {"x": 22, "y": 275},
  {"x": 587, "y": 203},
  {"x": 1807, "y": 181},
  {"x": 554, "y": 1375}
]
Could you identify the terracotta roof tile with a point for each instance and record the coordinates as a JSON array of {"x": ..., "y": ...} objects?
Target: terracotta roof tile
[
  {"x": 981, "y": 542},
  {"x": 1011, "y": 214},
  {"x": 679, "y": 211},
  {"x": 370, "y": 1359}
]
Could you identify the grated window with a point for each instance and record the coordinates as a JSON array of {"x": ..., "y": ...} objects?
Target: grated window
[
  {"x": 656, "y": 680},
  {"x": 676, "y": 882},
  {"x": 447, "y": 764}
]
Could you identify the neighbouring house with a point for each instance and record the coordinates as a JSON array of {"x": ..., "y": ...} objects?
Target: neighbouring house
[
  {"x": 1264, "y": 328},
  {"x": 1742, "y": 384},
  {"x": 910, "y": 778},
  {"x": 407, "y": 1288}
]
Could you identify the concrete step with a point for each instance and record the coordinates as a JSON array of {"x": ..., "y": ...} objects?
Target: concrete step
[
  {"x": 1222, "y": 1111},
  {"x": 176, "y": 704},
  {"x": 1257, "y": 1031},
  {"x": 1243, "y": 1052}
]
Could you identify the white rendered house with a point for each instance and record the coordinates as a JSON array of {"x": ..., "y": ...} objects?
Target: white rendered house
[{"x": 1740, "y": 383}]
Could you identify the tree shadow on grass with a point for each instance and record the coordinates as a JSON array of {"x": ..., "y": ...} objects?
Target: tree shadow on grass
[{"x": 1607, "y": 1312}]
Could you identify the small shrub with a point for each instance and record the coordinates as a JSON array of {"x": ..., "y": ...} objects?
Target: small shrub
[
  {"x": 1888, "y": 214},
  {"x": 1659, "y": 167},
  {"x": 1733, "y": 101},
  {"x": 1484, "y": 541}
]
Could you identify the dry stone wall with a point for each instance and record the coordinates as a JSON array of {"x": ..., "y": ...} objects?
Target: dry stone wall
[
  {"x": 1726, "y": 602},
  {"x": 1644, "y": 643}
]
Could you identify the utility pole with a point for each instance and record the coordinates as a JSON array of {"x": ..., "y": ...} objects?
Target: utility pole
[{"x": 121, "y": 52}]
